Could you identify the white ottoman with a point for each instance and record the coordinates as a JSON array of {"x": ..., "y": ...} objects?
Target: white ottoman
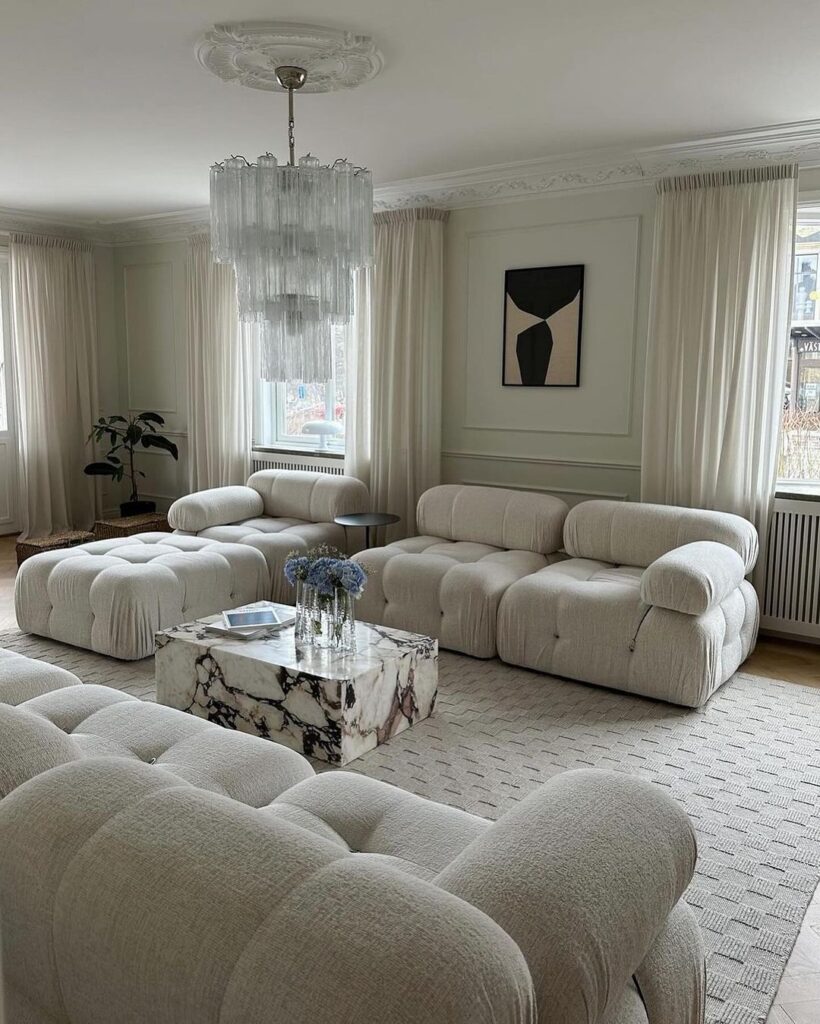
[{"x": 112, "y": 596}]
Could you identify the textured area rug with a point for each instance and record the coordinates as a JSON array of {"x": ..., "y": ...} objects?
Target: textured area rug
[{"x": 746, "y": 768}]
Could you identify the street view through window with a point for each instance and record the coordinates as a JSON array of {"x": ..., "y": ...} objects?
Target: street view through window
[{"x": 800, "y": 441}]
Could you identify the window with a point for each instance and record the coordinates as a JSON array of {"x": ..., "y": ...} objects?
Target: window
[
  {"x": 282, "y": 410},
  {"x": 800, "y": 440}
]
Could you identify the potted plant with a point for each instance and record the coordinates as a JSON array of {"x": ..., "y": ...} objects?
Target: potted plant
[{"x": 125, "y": 436}]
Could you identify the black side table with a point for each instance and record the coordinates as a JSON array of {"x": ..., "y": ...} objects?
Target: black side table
[{"x": 368, "y": 520}]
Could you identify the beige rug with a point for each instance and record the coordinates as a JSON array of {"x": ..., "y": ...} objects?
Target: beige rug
[{"x": 746, "y": 768}]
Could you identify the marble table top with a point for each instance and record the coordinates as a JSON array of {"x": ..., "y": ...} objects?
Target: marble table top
[{"x": 278, "y": 649}]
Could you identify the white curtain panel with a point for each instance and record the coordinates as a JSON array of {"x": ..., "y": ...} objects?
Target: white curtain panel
[
  {"x": 403, "y": 435},
  {"x": 718, "y": 340},
  {"x": 220, "y": 374},
  {"x": 358, "y": 386},
  {"x": 55, "y": 343}
]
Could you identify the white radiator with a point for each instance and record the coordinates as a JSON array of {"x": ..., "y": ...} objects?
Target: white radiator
[
  {"x": 791, "y": 600},
  {"x": 310, "y": 462}
]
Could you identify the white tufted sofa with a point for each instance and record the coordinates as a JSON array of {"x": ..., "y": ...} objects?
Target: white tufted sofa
[
  {"x": 473, "y": 543},
  {"x": 279, "y": 511},
  {"x": 158, "y": 869},
  {"x": 652, "y": 600},
  {"x": 111, "y": 596}
]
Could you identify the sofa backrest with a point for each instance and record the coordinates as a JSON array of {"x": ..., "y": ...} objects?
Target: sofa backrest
[
  {"x": 218, "y": 904},
  {"x": 514, "y": 520},
  {"x": 316, "y": 497},
  {"x": 629, "y": 533}
]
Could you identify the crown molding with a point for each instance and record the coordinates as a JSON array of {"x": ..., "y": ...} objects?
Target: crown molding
[
  {"x": 598, "y": 169},
  {"x": 798, "y": 142},
  {"x": 43, "y": 224},
  {"x": 160, "y": 227}
]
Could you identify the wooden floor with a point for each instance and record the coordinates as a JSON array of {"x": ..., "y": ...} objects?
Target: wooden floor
[{"x": 798, "y": 998}]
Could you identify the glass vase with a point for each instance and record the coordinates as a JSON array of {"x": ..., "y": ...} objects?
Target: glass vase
[{"x": 325, "y": 621}]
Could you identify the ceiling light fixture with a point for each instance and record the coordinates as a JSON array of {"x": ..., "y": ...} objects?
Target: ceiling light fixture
[{"x": 295, "y": 233}]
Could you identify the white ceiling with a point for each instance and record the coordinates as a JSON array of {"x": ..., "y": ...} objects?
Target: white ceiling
[{"x": 105, "y": 113}]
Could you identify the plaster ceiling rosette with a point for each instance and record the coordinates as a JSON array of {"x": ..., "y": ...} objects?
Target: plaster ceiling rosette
[{"x": 248, "y": 54}]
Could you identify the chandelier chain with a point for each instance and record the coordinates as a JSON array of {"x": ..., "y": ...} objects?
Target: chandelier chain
[{"x": 291, "y": 137}]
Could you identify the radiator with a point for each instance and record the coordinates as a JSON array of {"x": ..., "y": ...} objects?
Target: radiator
[
  {"x": 310, "y": 462},
  {"x": 791, "y": 599}
]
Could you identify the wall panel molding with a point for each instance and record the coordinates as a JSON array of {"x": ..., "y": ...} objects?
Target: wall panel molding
[
  {"x": 568, "y": 491},
  {"x": 150, "y": 330},
  {"x": 535, "y": 460},
  {"x": 610, "y": 248}
]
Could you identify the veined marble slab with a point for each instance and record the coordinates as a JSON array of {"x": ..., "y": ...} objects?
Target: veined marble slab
[{"x": 334, "y": 707}]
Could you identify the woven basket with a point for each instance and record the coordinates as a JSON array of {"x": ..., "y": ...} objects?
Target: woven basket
[
  {"x": 105, "y": 529},
  {"x": 36, "y": 545}
]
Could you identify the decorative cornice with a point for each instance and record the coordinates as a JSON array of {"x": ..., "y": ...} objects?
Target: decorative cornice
[
  {"x": 161, "y": 227},
  {"x": 40, "y": 223},
  {"x": 501, "y": 183},
  {"x": 599, "y": 169}
]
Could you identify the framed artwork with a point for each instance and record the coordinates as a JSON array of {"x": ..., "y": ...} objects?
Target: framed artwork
[{"x": 542, "y": 327}]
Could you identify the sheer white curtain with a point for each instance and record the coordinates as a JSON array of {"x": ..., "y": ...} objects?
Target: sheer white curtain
[
  {"x": 55, "y": 342},
  {"x": 220, "y": 374},
  {"x": 718, "y": 337},
  {"x": 401, "y": 366}
]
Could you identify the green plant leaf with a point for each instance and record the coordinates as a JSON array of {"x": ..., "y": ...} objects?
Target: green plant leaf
[
  {"x": 117, "y": 419},
  {"x": 158, "y": 441},
  {"x": 100, "y": 469},
  {"x": 112, "y": 458},
  {"x": 151, "y": 417},
  {"x": 133, "y": 434}
]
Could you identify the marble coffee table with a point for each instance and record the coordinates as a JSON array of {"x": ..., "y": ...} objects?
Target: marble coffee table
[{"x": 334, "y": 707}]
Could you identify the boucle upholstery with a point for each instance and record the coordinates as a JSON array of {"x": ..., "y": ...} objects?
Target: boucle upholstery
[
  {"x": 185, "y": 874},
  {"x": 673, "y": 623},
  {"x": 112, "y": 596},
  {"x": 448, "y": 582},
  {"x": 279, "y": 511}
]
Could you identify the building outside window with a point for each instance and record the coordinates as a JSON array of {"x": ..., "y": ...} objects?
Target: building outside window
[
  {"x": 282, "y": 410},
  {"x": 800, "y": 440}
]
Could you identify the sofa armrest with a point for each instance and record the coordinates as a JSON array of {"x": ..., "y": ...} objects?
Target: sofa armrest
[
  {"x": 583, "y": 875},
  {"x": 693, "y": 578},
  {"x": 217, "y": 506}
]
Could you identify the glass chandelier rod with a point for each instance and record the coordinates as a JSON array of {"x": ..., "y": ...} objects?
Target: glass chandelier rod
[{"x": 291, "y": 78}]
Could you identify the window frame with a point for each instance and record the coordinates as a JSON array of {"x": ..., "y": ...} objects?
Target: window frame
[
  {"x": 807, "y": 201},
  {"x": 269, "y": 412}
]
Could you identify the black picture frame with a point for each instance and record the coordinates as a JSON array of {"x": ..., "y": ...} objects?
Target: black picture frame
[{"x": 538, "y": 294}]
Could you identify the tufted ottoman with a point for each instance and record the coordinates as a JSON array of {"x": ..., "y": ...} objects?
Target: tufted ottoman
[{"x": 112, "y": 596}]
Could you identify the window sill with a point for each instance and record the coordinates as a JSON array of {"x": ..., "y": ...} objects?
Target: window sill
[
  {"x": 283, "y": 449},
  {"x": 797, "y": 491}
]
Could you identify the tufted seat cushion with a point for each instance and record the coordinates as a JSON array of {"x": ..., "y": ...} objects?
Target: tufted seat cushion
[
  {"x": 585, "y": 619},
  {"x": 447, "y": 583},
  {"x": 279, "y": 511},
  {"x": 87, "y": 721},
  {"x": 111, "y": 596}
]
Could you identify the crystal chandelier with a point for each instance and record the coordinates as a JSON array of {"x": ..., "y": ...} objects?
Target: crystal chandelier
[{"x": 295, "y": 234}]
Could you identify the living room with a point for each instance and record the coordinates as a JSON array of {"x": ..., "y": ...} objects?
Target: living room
[{"x": 409, "y": 552}]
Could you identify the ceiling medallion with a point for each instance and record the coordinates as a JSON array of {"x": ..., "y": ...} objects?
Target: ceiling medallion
[{"x": 249, "y": 53}]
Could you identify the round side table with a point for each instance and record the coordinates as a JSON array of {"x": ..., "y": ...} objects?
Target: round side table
[{"x": 368, "y": 520}]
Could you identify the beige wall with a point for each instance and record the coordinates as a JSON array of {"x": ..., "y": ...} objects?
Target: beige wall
[
  {"x": 143, "y": 330},
  {"x": 575, "y": 442}
]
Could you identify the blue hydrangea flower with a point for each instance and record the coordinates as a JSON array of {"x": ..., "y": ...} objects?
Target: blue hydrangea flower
[{"x": 296, "y": 568}]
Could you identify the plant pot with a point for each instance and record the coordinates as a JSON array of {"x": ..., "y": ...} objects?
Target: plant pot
[{"x": 137, "y": 508}]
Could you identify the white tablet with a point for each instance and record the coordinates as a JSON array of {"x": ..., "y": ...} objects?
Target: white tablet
[{"x": 255, "y": 617}]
